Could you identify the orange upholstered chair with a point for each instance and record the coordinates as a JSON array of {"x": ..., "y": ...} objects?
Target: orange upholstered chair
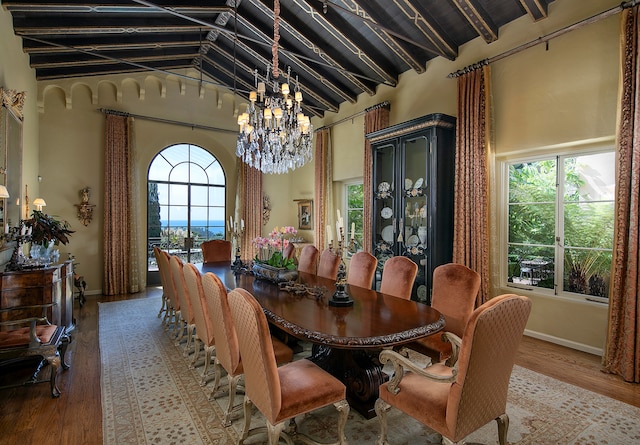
[
  {"x": 289, "y": 251},
  {"x": 204, "y": 320},
  {"x": 163, "y": 306},
  {"x": 227, "y": 350},
  {"x": 216, "y": 250},
  {"x": 398, "y": 275},
  {"x": 172, "y": 313},
  {"x": 362, "y": 268},
  {"x": 328, "y": 266},
  {"x": 456, "y": 401},
  {"x": 308, "y": 260},
  {"x": 455, "y": 288},
  {"x": 283, "y": 393},
  {"x": 186, "y": 320}
]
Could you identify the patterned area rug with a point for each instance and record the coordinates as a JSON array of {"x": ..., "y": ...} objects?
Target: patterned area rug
[{"x": 150, "y": 396}]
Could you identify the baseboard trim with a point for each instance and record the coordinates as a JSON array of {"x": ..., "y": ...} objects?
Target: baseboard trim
[{"x": 564, "y": 342}]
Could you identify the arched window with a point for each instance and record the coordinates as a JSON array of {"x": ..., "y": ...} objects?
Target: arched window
[{"x": 186, "y": 201}]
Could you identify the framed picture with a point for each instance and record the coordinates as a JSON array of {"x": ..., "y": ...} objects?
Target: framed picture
[{"x": 305, "y": 214}]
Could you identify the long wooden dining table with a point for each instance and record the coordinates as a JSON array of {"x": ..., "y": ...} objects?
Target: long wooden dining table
[{"x": 346, "y": 340}]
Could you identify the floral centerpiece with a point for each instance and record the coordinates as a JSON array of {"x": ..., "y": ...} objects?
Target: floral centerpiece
[{"x": 270, "y": 262}]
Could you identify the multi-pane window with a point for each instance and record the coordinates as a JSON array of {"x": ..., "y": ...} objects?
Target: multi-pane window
[
  {"x": 355, "y": 208},
  {"x": 560, "y": 223}
]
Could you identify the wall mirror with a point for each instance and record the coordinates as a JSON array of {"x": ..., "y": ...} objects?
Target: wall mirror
[{"x": 11, "y": 117}]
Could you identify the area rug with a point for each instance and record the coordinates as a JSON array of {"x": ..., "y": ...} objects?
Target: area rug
[{"x": 150, "y": 396}]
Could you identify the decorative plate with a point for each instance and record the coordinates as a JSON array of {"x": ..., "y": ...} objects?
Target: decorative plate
[
  {"x": 418, "y": 183},
  {"x": 422, "y": 292},
  {"x": 423, "y": 211},
  {"x": 386, "y": 213},
  {"x": 387, "y": 233},
  {"x": 383, "y": 187},
  {"x": 408, "y": 183},
  {"x": 413, "y": 240}
]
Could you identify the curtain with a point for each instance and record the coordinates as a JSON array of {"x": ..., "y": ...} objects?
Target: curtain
[
  {"x": 622, "y": 350},
  {"x": 323, "y": 195},
  {"x": 375, "y": 118},
  {"x": 121, "y": 268},
  {"x": 249, "y": 191},
  {"x": 471, "y": 192}
]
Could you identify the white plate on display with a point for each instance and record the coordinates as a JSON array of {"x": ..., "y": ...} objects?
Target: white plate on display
[
  {"x": 418, "y": 183},
  {"x": 383, "y": 187},
  {"x": 387, "y": 234},
  {"x": 413, "y": 241},
  {"x": 422, "y": 293},
  {"x": 407, "y": 184},
  {"x": 386, "y": 213}
]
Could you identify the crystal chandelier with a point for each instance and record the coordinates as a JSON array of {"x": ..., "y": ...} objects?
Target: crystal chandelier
[{"x": 275, "y": 135}]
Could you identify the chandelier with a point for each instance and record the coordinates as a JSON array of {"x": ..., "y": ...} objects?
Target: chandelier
[{"x": 275, "y": 135}]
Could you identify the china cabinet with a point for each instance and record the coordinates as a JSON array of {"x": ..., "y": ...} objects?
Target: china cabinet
[{"x": 413, "y": 184}]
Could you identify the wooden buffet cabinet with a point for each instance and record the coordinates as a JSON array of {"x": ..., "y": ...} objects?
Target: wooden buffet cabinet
[{"x": 53, "y": 284}]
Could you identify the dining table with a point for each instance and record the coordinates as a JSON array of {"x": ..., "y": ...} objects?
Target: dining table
[{"x": 346, "y": 339}]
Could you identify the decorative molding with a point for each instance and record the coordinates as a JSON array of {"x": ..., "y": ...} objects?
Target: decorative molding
[{"x": 14, "y": 101}]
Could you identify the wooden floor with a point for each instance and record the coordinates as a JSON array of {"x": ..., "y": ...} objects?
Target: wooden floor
[{"x": 30, "y": 415}]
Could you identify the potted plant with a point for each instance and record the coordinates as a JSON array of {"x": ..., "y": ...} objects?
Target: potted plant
[
  {"x": 270, "y": 262},
  {"x": 46, "y": 230}
]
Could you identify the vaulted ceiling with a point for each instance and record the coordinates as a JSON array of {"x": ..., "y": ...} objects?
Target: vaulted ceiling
[{"x": 337, "y": 49}]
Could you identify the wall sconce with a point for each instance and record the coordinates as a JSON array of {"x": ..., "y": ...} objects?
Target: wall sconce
[
  {"x": 39, "y": 203},
  {"x": 85, "y": 210}
]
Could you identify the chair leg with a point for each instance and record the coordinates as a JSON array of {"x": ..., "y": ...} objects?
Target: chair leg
[
  {"x": 163, "y": 305},
  {"x": 54, "y": 361},
  {"x": 196, "y": 352},
  {"x": 274, "y": 431},
  {"x": 233, "y": 385},
  {"x": 343, "y": 412},
  {"x": 503, "y": 427},
  {"x": 190, "y": 330},
  {"x": 382, "y": 408},
  {"x": 208, "y": 352},
  {"x": 247, "y": 420},
  {"x": 62, "y": 349}
]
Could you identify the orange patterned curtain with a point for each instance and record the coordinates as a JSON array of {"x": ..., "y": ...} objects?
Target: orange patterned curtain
[
  {"x": 622, "y": 351},
  {"x": 120, "y": 269},
  {"x": 471, "y": 217},
  {"x": 323, "y": 191},
  {"x": 249, "y": 191},
  {"x": 376, "y": 118}
]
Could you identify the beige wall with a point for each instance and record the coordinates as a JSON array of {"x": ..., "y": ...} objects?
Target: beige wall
[{"x": 543, "y": 99}]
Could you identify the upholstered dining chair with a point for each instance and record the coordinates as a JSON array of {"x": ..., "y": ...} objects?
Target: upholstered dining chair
[
  {"x": 454, "y": 292},
  {"x": 455, "y": 401},
  {"x": 163, "y": 306},
  {"x": 308, "y": 260},
  {"x": 172, "y": 313},
  {"x": 289, "y": 251},
  {"x": 362, "y": 269},
  {"x": 186, "y": 322},
  {"x": 283, "y": 393},
  {"x": 328, "y": 265},
  {"x": 204, "y": 321},
  {"x": 216, "y": 250},
  {"x": 398, "y": 275},
  {"x": 227, "y": 350}
]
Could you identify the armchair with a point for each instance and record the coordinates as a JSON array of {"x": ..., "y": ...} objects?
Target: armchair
[
  {"x": 216, "y": 250},
  {"x": 457, "y": 400},
  {"x": 36, "y": 337}
]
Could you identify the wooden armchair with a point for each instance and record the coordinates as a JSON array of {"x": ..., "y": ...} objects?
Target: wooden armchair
[
  {"x": 29, "y": 336},
  {"x": 456, "y": 400}
]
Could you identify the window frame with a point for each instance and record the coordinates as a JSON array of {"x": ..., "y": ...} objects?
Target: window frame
[{"x": 346, "y": 210}]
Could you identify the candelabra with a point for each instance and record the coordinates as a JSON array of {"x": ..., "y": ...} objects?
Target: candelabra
[
  {"x": 340, "y": 297},
  {"x": 236, "y": 235},
  {"x": 20, "y": 235}
]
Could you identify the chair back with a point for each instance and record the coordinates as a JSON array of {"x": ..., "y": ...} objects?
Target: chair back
[
  {"x": 398, "y": 275},
  {"x": 262, "y": 382},
  {"x": 204, "y": 326},
  {"x": 489, "y": 346},
  {"x": 186, "y": 309},
  {"x": 308, "y": 259},
  {"x": 289, "y": 251},
  {"x": 216, "y": 250},
  {"x": 166, "y": 278},
  {"x": 329, "y": 264},
  {"x": 455, "y": 288},
  {"x": 224, "y": 331},
  {"x": 362, "y": 268}
]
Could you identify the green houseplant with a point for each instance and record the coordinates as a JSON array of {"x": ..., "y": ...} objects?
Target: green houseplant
[
  {"x": 45, "y": 229},
  {"x": 270, "y": 262}
]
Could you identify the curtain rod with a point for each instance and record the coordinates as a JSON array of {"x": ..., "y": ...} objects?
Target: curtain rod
[
  {"x": 165, "y": 121},
  {"x": 386, "y": 103},
  {"x": 546, "y": 38}
]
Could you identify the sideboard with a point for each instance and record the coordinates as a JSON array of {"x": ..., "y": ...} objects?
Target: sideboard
[{"x": 53, "y": 284}]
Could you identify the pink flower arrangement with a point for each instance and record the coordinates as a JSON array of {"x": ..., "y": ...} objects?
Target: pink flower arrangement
[{"x": 271, "y": 248}]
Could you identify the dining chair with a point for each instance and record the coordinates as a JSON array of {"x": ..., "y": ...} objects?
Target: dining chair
[
  {"x": 455, "y": 288},
  {"x": 362, "y": 269},
  {"x": 227, "y": 350},
  {"x": 216, "y": 250},
  {"x": 279, "y": 393},
  {"x": 163, "y": 305},
  {"x": 172, "y": 313},
  {"x": 328, "y": 265},
  {"x": 308, "y": 260},
  {"x": 186, "y": 322},
  {"x": 398, "y": 275},
  {"x": 204, "y": 333},
  {"x": 289, "y": 251},
  {"x": 456, "y": 400}
]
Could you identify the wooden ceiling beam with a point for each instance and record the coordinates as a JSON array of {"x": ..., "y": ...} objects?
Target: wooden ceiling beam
[
  {"x": 479, "y": 19},
  {"x": 537, "y": 9}
]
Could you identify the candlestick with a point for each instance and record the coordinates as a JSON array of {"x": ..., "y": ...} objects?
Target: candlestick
[{"x": 353, "y": 230}]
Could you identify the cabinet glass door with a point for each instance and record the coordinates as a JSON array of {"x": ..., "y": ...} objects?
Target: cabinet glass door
[{"x": 384, "y": 205}]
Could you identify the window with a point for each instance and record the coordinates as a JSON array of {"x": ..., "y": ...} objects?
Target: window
[
  {"x": 560, "y": 215},
  {"x": 186, "y": 201},
  {"x": 355, "y": 210}
]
